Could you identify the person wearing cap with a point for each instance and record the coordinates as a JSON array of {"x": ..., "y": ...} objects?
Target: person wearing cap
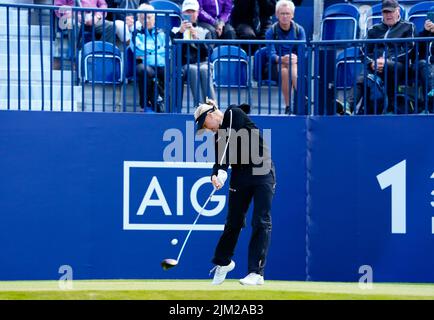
[
  {"x": 386, "y": 60},
  {"x": 424, "y": 68},
  {"x": 196, "y": 69},
  {"x": 250, "y": 180},
  {"x": 283, "y": 57},
  {"x": 214, "y": 15}
]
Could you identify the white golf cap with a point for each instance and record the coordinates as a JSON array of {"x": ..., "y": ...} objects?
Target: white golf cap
[{"x": 190, "y": 5}]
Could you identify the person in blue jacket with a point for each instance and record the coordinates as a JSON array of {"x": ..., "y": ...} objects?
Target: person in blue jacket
[{"x": 149, "y": 44}]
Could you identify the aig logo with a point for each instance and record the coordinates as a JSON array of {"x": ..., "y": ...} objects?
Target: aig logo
[{"x": 169, "y": 195}]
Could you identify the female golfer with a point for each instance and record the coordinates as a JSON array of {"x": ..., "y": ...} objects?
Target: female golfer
[{"x": 239, "y": 144}]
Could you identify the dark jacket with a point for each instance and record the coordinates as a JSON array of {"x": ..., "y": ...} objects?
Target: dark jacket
[
  {"x": 250, "y": 11},
  {"x": 242, "y": 168},
  {"x": 400, "y": 52},
  {"x": 426, "y": 49},
  {"x": 190, "y": 52},
  {"x": 296, "y": 32},
  {"x": 123, "y": 4}
]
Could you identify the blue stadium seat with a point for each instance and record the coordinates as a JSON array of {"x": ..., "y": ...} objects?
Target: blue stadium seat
[
  {"x": 417, "y": 14},
  {"x": 348, "y": 67},
  {"x": 375, "y": 16},
  {"x": 229, "y": 66},
  {"x": 164, "y": 21},
  {"x": 340, "y": 22},
  {"x": 260, "y": 60},
  {"x": 101, "y": 63}
]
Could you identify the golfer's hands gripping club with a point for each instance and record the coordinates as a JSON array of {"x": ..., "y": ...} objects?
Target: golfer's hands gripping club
[{"x": 219, "y": 180}]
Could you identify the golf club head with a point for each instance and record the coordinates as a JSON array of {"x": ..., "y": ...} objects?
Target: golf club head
[{"x": 167, "y": 264}]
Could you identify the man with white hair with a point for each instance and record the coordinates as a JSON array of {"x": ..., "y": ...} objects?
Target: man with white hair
[
  {"x": 250, "y": 180},
  {"x": 284, "y": 59}
]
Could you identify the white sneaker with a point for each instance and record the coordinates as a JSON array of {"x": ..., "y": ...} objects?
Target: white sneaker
[
  {"x": 221, "y": 271},
  {"x": 252, "y": 279}
]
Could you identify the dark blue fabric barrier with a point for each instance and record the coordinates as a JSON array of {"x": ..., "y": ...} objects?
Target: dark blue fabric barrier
[
  {"x": 62, "y": 197},
  {"x": 350, "y": 214},
  {"x": 72, "y": 184}
]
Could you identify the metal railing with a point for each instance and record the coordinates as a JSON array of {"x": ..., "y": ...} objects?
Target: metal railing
[
  {"x": 237, "y": 70},
  {"x": 81, "y": 67},
  {"x": 51, "y": 63},
  {"x": 345, "y": 75}
]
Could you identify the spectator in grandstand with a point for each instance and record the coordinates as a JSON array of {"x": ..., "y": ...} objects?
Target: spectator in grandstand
[
  {"x": 284, "y": 57},
  {"x": 214, "y": 15},
  {"x": 92, "y": 20},
  {"x": 194, "y": 55},
  {"x": 425, "y": 68},
  {"x": 385, "y": 61},
  {"x": 149, "y": 44},
  {"x": 124, "y": 22},
  {"x": 252, "y": 18}
]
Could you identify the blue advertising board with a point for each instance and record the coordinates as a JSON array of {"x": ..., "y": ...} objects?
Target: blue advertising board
[
  {"x": 96, "y": 192},
  {"x": 371, "y": 198}
]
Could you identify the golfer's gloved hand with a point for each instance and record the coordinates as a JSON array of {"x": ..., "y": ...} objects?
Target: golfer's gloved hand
[{"x": 219, "y": 180}]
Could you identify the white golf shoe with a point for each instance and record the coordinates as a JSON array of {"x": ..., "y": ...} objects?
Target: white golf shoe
[
  {"x": 252, "y": 279},
  {"x": 221, "y": 271}
]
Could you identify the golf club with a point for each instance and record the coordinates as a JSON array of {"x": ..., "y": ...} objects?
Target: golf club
[{"x": 170, "y": 263}]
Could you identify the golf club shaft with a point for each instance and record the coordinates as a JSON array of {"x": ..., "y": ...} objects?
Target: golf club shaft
[{"x": 194, "y": 223}]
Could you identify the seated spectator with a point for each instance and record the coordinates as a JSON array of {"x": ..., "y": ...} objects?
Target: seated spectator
[
  {"x": 284, "y": 58},
  {"x": 92, "y": 20},
  {"x": 214, "y": 15},
  {"x": 194, "y": 55},
  {"x": 252, "y": 18},
  {"x": 149, "y": 44},
  {"x": 385, "y": 60},
  {"x": 125, "y": 22},
  {"x": 425, "y": 67}
]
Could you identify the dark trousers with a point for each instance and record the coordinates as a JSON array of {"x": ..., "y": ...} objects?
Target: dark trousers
[
  {"x": 257, "y": 22},
  {"x": 103, "y": 32},
  {"x": 247, "y": 32},
  {"x": 394, "y": 70},
  {"x": 154, "y": 86},
  {"x": 239, "y": 201},
  {"x": 425, "y": 74}
]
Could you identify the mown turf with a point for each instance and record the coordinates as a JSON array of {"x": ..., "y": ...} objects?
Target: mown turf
[
  {"x": 195, "y": 295},
  {"x": 202, "y": 290}
]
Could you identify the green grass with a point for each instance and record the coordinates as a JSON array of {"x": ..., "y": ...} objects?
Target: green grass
[{"x": 200, "y": 289}]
